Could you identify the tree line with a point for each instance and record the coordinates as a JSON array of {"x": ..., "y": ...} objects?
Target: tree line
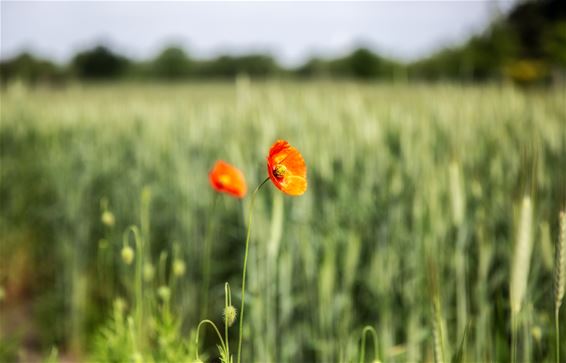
[
  {"x": 527, "y": 45},
  {"x": 173, "y": 63}
]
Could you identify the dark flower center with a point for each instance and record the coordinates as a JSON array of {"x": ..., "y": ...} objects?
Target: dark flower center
[{"x": 279, "y": 171}]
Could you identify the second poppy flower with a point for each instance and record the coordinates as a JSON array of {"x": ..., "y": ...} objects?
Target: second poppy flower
[{"x": 226, "y": 178}]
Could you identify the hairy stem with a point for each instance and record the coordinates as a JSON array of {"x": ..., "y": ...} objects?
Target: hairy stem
[
  {"x": 207, "y": 258},
  {"x": 227, "y": 302},
  {"x": 206, "y": 321},
  {"x": 250, "y": 218},
  {"x": 363, "y": 349}
]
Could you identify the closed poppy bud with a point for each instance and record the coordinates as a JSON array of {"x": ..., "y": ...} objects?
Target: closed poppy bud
[
  {"x": 137, "y": 357},
  {"x": 148, "y": 271},
  {"x": 164, "y": 293},
  {"x": 120, "y": 305},
  {"x": 178, "y": 268},
  {"x": 107, "y": 218},
  {"x": 230, "y": 315},
  {"x": 226, "y": 178},
  {"x": 127, "y": 255}
]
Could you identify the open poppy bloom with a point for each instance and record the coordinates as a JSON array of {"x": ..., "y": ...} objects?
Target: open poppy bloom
[
  {"x": 226, "y": 178},
  {"x": 287, "y": 169}
]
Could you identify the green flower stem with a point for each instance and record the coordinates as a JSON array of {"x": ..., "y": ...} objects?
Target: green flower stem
[
  {"x": 206, "y": 321},
  {"x": 557, "y": 327},
  {"x": 245, "y": 266},
  {"x": 371, "y": 330},
  {"x": 227, "y": 302},
  {"x": 513, "y": 337},
  {"x": 138, "y": 280},
  {"x": 207, "y": 257}
]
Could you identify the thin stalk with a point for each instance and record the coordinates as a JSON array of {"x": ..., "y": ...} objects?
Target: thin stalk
[
  {"x": 138, "y": 280},
  {"x": 250, "y": 218},
  {"x": 559, "y": 277},
  {"x": 363, "y": 350},
  {"x": 207, "y": 257},
  {"x": 206, "y": 321},
  {"x": 557, "y": 326},
  {"x": 513, "y": 338},
  {"x": 227, "y": 302},
  {"x": 143, "y": 244}
]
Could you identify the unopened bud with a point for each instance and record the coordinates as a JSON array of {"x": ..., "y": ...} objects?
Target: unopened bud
[
  {"x": 178, "y": 268},
  {"x": 148, "y": 272},
  {"x": 536, "y": 331},
  {"x": 164, "y": 293},
  {"x": 119, "y": 305},
  {"x": 137, "y": 357},
  {"x": 229, "y": 315},
  {"x": 107, "y": 218},
  {"x": 127, "y": 255}
]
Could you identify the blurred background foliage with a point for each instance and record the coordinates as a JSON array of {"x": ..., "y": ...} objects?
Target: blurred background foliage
[
  {"x": 394, "y": 176},
  {"x": 527, "y": 46}
]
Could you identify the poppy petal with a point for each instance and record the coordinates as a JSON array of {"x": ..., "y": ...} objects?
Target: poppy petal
[
  {"x": 226, "y": 178},
  {"x": 295, "y": 185}
]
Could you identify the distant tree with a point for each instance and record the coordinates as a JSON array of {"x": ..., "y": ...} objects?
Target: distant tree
[
  {"x": 363, "y": 64},
  {"x": 171, "y": 63},
  {"x": 30, "y": 69},
  {"x": 257, "y": 65},
  {"x": 520, "y": 46},
  {"x": 254, "y": 65},
  {"x": 555, "y": 44},
  {"x": 99, "y": 63},
  {"x": 315, "y": 67}
]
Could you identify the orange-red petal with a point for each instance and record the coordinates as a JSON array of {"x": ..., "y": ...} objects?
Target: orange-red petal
[
  {"x": 226, "y": 178},
  {"x": 293, "y": 181}
]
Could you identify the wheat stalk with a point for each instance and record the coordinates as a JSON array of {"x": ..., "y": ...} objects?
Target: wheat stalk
[
  {"x": 437, "y": 333},
  {"x": 520, "y": 269},
  {"x": 521, "y": 257},
  {"x": 560, "y": 263},
  {"x": 559, "y": 277},
  {"x": 437, "y": 329}
]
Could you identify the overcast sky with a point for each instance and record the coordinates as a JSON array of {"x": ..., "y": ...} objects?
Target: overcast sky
[{"x": 291, "y": 31}]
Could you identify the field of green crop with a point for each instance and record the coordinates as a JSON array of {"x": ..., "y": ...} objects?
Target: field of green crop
[{"x": 417, "y": 197}]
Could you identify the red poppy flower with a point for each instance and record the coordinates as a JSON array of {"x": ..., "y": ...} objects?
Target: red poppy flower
[
  {"x": 287, "y": 168},
  {"x": 226, "y": 178}
]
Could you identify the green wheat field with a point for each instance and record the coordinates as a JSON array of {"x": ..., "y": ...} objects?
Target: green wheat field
[{"x": 431, "y": 216}]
